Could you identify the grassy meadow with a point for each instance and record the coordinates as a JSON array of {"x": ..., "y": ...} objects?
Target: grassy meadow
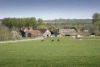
[{"x": 68, "y": 52}]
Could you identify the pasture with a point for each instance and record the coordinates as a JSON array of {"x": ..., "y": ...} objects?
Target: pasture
[{"x": 67, "y": 52}]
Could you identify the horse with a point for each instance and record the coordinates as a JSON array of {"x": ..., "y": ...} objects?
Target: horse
[
  {"x": 42, "y": 40},
  {"x": 52, "y": 40},
  {"x": 58, "y": 40}
]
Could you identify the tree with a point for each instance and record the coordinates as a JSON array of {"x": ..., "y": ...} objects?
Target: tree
[
  {"x": 74, "y": 28},
  {"x": 42, "y": 27},
  {"x": 96, "y": 17},
  {"x": 22, "y": 22},
  {"x": 96, "y": 23},
  {"x": 4, "y": 33},
  {"x": 40, "y": 22}
]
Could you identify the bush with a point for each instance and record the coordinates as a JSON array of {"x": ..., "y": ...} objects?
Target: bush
[
  {"x": 9, "y": 34},
  {"x": 4, "y": 33},
  {"x": 97, "y": 33},
  {"x": 15, "y": 35},
  {"x": 42, "y": 27}
]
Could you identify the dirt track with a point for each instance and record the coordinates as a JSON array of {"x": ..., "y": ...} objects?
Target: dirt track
[{"x": 14, "y": 41}]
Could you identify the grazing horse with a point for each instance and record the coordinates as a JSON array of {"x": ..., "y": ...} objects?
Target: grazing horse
[
  {"x": 52, "y": 40},
  {"x": 42, "y": 40},
  {"x": 58, "y": 40}
]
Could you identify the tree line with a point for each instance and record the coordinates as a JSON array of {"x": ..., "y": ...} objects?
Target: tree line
[
  {"x": 22, "y": 22},
  {"x": 78, "y": 24},
  {"x": 93, "y": 25},
  {"x": 70, "y": 21}
]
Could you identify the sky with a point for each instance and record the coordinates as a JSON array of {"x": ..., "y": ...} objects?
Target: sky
[{"x": 49, "y": 9}]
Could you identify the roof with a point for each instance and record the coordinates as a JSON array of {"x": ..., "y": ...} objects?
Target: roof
[
  {"x": 42, "y": 30},
  {"x": 55, "y": 31},
  {"x": 67, "y": 31},
  {"x": 35, "y": 32},
  {"x": 64, "y": 31}
]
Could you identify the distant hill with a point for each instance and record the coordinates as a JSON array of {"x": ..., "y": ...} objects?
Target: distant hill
[{"x": 69, "y": 21}]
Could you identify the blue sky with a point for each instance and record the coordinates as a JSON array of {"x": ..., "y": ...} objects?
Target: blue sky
[{"x": 49, "y": 9}]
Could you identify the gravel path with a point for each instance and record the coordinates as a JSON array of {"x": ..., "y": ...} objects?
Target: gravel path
[{"x": 20, "y": 40}]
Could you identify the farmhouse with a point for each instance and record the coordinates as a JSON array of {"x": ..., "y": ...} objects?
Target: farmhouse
[
  {"x": 68, "y": 32},
  {"x": 54, "y": 32},
  {"x": 64, "y": 32},
  {"x": 45, "y": 32},
  {"x": 29, "y": 32}
]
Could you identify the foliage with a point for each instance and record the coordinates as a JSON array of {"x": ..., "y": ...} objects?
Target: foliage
[
  {"x": 96, "y": 17},
  {"x": 42, "y": 27},
  {"x": 66, "y": 53},
  {"x": 4, "y": 33},
  {"x": 96, "y": 23},
  {"x": 69, "y": 21},
  {"x": 22, "y": 22},
  {"x": 9, "y": 34},
  {"x": 0, "y": 21},
  {"x": 15, "y": 35},
  {"x": 40, "y": 22},
  {"x": 74, "y": 28}
]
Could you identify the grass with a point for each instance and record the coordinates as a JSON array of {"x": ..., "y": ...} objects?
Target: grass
[
  {"x": 90, "y": 37},
  {"x": 66, "y": 53}
]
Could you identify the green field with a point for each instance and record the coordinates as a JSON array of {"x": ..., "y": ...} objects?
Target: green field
[{"x": 66, "y": 53}]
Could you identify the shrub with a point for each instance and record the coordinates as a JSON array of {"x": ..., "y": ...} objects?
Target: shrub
[
  {"x": 4, "y": 33},
  {"x": 97, "y": 32},
  {"x": 15, "y": 35},
  {"x": 9, "y": 34},
  {"x": 42, "y": 27}
]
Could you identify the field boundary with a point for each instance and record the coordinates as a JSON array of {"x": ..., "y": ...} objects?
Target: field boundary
[{"x": 14, "y": 41}]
